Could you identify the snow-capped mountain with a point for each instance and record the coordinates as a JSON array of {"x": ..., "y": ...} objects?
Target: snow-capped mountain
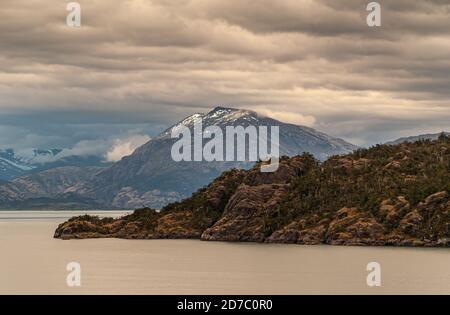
[
  {"x": 294, "y": 139},
  {"x": 150, "y": 177},
  {"x": 13, "y": 165}
]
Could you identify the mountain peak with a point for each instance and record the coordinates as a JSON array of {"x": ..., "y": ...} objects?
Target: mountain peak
[
  {"x": 222, "y": 108},
  {"x": 227, "y": 115},
  {"x": 228, "y": 110},
  {"x": 150, "y": 176},
  {"x": 218, "y": 116}
]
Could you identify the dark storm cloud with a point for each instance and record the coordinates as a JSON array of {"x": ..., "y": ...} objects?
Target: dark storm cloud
[{"x": 153, "y": 62}]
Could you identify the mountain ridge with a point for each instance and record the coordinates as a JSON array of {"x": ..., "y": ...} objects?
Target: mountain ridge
[
  {"x": 152, "y": 167},
  {"x": 13, "y": 165},
  {"x": 46, "y": 187},
  {"x": 428, "y": 136},
  {"x": 150, "y": 177}
]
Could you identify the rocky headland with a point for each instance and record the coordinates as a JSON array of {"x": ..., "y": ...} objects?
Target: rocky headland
[{"x": 394, "y": 195}]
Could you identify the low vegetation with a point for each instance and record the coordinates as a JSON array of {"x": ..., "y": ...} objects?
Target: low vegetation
[{"x": 384, "y": 195}]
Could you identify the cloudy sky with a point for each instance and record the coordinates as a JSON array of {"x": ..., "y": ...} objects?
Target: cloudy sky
[{"x": 136, "y": 66}]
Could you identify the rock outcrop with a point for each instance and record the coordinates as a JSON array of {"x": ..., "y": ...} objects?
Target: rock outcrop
[{"x": 349, "y": 200}]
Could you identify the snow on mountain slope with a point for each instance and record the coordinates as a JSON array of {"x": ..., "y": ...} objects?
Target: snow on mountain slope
[
  {"x": 13, "y": 165},
  {"x": 150, "y": 177}
]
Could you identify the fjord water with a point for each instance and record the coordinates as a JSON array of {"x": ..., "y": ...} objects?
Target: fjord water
[{"x": 32, "y": 262}]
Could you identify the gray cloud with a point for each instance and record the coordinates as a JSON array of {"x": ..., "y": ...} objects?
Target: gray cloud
[{"x": 137, "y": 63}]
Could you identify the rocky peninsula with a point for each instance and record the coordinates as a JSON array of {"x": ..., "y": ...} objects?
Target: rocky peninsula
[{"x": 393, "y": 195}]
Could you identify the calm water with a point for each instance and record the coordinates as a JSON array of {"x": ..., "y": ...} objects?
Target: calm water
[{"x": 33, "y": 262}]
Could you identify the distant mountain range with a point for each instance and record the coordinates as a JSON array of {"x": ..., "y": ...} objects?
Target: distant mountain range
[
  {"x": 430, "y": 136},
  {"x": 150, "y": 177},
  {"x": 13, "y": 165},
  {"x": 54, "y": 188}
]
